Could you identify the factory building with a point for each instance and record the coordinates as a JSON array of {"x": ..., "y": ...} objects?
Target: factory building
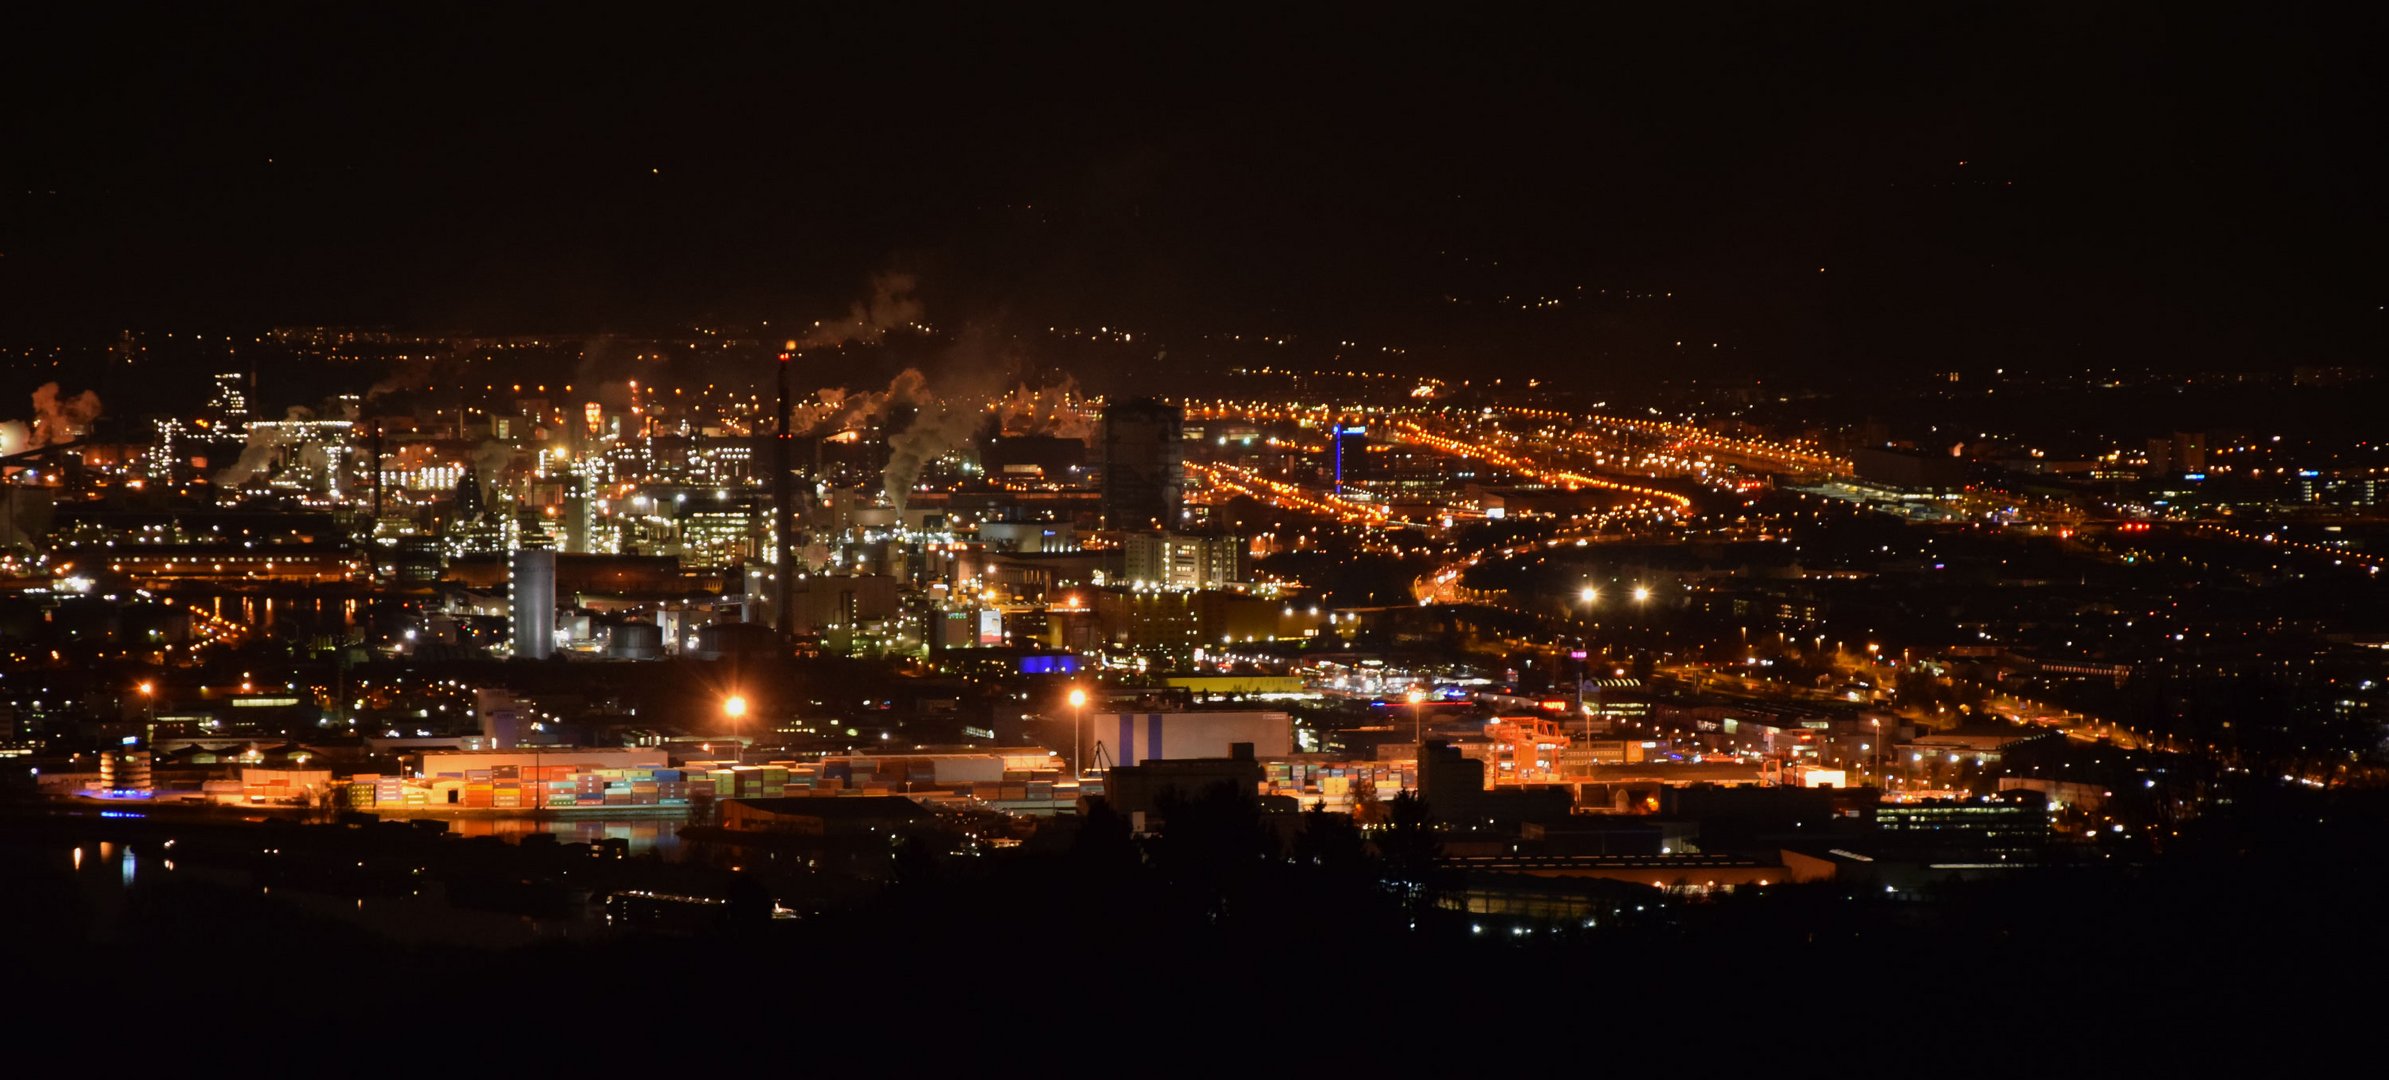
[
  {"x": 1169, "y": 560},
  {"x": 1135, "y": 738}
]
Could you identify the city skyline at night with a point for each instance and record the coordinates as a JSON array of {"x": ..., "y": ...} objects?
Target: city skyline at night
[{"x": 560, "y": 534}]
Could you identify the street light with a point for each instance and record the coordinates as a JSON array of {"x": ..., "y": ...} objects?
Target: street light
[
  {"x": 1877, "y": 721},
  {"x": 735, "y": 707},
  {"x": 1418, "y": 715},
  {"x": 1078, "y": 726},
  {"x": 149, "y": 708}
]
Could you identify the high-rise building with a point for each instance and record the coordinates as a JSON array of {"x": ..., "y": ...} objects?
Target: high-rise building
[
  {"x": 1143, "y": 464},
  {"x": 1351, "y": 442},
  {"x": 2183, "y": 452}
]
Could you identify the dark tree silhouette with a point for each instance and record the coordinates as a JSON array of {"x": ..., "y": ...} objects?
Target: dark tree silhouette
[
  {"x": 1410, "y": 851},
  {"x": 1211, "y": 848},
  {"x": 1367, "y": 809}
]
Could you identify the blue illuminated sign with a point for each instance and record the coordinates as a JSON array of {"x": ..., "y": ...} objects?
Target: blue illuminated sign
[{"x": 1049, "y": 665}]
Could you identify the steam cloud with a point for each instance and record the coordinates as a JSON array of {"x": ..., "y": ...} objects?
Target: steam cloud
[
  {"x": 947, "y": 422},
  {"x": 891, "y": 305},
  {"x": 937, "y": 425},
  {"x": 56, "y": 420},
  {"x": 406, "y": 375},
  {"x": 941, "y": 422},
  {"x": 266, "y": 442},
  {"x": 490, "y": 461},
  {"x": 1044, "y": 410},
  {"x": 938, "y": 428},
  {"x": 836, "y": 409}
]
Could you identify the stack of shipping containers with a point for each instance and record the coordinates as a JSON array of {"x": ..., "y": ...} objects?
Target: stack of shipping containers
[
  {"x": 525, "y": 787},
  {"x": 1332, "y": 781}
]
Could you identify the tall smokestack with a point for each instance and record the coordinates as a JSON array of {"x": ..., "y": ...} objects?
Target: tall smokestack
[
  {"x": 783, "y": 505},
  {"x": 377, "y": 474}
]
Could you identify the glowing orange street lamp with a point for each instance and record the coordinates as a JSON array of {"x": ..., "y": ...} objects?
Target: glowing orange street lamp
[
  {"x": 1418, "y": 715},
  {"x": 735, "y": 707},
  {"x": 1078, "y": 727}
]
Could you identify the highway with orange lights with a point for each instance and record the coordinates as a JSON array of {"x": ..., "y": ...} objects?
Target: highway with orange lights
[
  {"x": 1515, "y": 458},
  {"x": 1235, "y": 480},
  {"x": 1549, "y": 458},
  {"x": 1764, "y": 454}
]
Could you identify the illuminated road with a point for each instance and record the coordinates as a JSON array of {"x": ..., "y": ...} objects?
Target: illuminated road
[
  {"x": 1519, "y": 462},
  {"x": 2338, "y": 556},
  {"x": 1443, "y": 585},
  {"x": 1288, "y": 496},
  {"x": 1765, "y": 454}
]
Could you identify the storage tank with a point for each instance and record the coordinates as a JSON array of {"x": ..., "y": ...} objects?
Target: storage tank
[
  {"x": 635, "y": 641},
  {"x": 531, "y": 580}
]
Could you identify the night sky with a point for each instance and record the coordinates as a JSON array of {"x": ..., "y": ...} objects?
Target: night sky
[{"x": 1793, "y": 187}]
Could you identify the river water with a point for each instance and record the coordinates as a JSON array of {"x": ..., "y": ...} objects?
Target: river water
[{"x": 660, "y": 835}]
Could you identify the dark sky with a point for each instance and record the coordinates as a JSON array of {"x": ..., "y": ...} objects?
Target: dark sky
[{"x": 2042, "y": 185}]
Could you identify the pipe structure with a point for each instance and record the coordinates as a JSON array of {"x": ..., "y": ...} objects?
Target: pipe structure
[{"x": 783, "y": 507}]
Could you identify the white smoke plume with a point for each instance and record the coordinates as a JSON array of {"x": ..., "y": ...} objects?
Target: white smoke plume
[
  {"x": 56, "y": 420},
  {"x": 943, "y": 422},
  {"x": 817, "y": 414},
  {"x": 1054, "y": 409},
  {"x": 405, "y": 375},
  {"x": 937, "y": 429},
  {"x": 266, "y": 442},
  {"x": 836, "y": 409},
  {"x": 59, "y": 420},
  {"x": 891, "y": 305},
  {"x": 491, "y": 460},
  {"x": 909, "y": 387}
]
